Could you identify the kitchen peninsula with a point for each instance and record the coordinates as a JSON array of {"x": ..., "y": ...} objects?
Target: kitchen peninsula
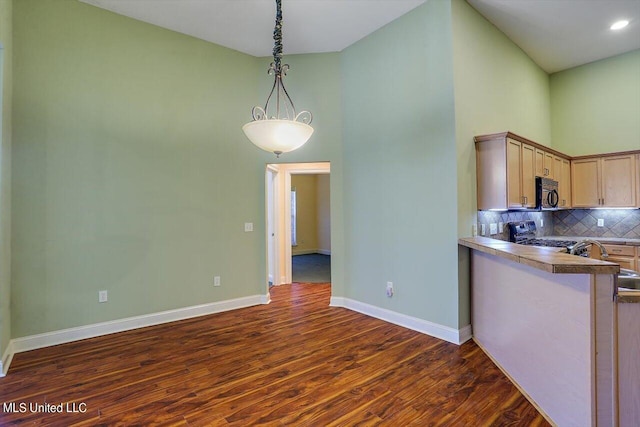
[{"x": 547, "y": 319}]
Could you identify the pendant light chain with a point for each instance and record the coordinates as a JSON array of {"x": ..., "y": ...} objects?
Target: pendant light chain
[{"x": 277, "y": 37}]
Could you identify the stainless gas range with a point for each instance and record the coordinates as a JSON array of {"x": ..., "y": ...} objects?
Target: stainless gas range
[{"x": 524, "y": 233}]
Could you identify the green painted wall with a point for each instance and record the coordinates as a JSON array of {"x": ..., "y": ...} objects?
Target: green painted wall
[
  {"x": 497, "y": 88},
  {"x": 595, "y": 108},
  {"x": 6, "y": 93},
  {"x": 130, "y": 169},
  {"x": 400, "y": 166}
]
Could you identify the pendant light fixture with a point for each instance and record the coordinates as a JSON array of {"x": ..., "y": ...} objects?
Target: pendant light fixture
[{"x": 277, "y": 127}]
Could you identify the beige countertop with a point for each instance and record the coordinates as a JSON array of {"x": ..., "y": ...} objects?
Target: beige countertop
[
  {"x": 608, "y": 240},
  {"x": 547, "y": 259}
]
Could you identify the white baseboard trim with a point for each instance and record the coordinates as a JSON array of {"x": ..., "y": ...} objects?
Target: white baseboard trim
[
  {"x": 304, "y": 252},
  {"x": 310, "y": 252},
  {"x": 32, "y": 342},
  {"x": 7, "y": 357},
  {"x": 455, "y": 336}
]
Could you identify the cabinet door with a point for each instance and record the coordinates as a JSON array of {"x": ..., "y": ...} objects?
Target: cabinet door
[
  {"x": 619, "y": 181},
  {"x": 514, "y": 174},
  {"x": 585, "y": 179},
  {"x": 548, "y": 165},
  {"x": 556, "y": 170},
  {"x": 564, "y": 184},
  {"x": 638, "y": 187},
  {"x": 539, "y": 171},
  {"x": 528, "y": 176},
  {"x": 624, "y": 262}
]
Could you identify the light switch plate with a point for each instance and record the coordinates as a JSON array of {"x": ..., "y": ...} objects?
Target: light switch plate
[
  {"x": 493, "y": 228},
  {"x": 483, "y": 229},
  {"x": 500, "y": 227},
  {"x": 600, "y": 222},
  {"x": 248, "y": 226},
  {"x": 103, "y": 296}
]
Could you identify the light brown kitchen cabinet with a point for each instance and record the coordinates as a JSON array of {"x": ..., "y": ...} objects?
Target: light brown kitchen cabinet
[
  {"x": 564, "y": 184},
  {"x": 507, "y": 165},
  {"x": 544, "y": 164},
  {"x": 624, "y": 255},
  {"x": 556, "y": 170},
  {"x": 521, "y": 186},
  {"x": 607, "y": 181},
  {"x": 638, "y": 182},
  {"x": 505, "y": 173}
]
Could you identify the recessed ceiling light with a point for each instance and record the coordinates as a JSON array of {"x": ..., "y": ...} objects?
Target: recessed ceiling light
[{"x": 619, "y": 25}]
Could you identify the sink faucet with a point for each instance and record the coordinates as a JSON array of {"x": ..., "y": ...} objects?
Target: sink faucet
[{"x": 584, "y": 243}]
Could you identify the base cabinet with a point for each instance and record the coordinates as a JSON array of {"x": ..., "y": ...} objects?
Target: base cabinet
[{"x": 628, "y": 364}]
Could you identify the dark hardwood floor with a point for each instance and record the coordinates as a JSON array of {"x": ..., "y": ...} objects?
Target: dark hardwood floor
[{"x": 296, "y": 361}]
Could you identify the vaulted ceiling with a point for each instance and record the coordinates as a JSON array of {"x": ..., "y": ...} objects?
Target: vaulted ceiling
[{"x": 556, "y": 34}]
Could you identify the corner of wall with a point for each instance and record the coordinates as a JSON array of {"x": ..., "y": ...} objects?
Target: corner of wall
[{"x": 6, "y": 133}]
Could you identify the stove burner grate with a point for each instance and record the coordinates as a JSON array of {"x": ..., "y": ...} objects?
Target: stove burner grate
[{"x": 548, "y": 242}]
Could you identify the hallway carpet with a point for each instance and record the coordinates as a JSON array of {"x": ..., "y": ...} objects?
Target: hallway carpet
[{"x": 312, "y": 268}]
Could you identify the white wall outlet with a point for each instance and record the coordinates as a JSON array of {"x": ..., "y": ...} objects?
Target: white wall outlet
[
  {"x": 216, "y": 281},
  {"x": 493, "y": 228},
  {"x": 600, "y": 222},
  {"x": 483, "y": 229},
  {"x": 389, "y": 289},
  {"x": 474, "y": 230},
  {"x": 500, "y": 227},
  {"x": 103, "y": 296},
  {"x": 248, "y": 226},
  {"x": 541, "y": 223}
]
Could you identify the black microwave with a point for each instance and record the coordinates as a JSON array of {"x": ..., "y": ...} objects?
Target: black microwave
[{"x": 546, "y": 194}]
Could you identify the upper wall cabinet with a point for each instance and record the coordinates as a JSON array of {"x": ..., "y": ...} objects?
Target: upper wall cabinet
[
  {"x": 506, "y": 166},
  {"x": 545, "y": 164},
  {"x": 605, "y": 181},
  {"x": 564, "y": 183},
  {"x": 505, "y": 172}
]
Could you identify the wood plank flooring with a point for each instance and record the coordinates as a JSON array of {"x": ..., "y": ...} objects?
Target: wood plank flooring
[{"x": 296, "y": 361}]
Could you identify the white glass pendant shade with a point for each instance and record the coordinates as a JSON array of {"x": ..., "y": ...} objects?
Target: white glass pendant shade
[{"x": 278, "y": 136}]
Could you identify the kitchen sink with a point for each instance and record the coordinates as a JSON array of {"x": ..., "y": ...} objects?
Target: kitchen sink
[{"x": 628, "y": 279}]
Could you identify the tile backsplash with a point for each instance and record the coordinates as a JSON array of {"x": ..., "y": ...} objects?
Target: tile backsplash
[
  {"x": 490, "y": 217},
  {"x": 623, "y": 223},
  {"x": 584, "y": 223}
]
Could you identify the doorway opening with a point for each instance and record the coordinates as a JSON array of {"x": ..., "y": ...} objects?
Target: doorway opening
[{"x": 290, "y": 232}]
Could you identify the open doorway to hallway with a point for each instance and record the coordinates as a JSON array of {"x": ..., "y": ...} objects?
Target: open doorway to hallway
[
  {"x": 286, "y": 235},
  {"x": 310, "y": 228}
]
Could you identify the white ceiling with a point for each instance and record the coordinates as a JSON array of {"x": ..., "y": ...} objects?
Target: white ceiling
[
  {"x": 309, "y": 26},
  {"x": 556, "y": 34},
  {"x": 561, "y": 34}
]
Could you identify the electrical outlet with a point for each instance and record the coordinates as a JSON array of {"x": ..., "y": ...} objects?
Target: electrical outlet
[
  {"x": 483, "y": 229},
  {"x": 493, "y": 228},
  {"x": 103, "y": 296},
  {"x": 541, "y": 223},
  {"x": 216, "y": 281},
  {"x": 389, "y": 289},
  {"x": 500, "y": 227},
  {"x": 474, "y": 230},
  {"x": 600, "y": 222},
  {"x": 248, "y": 226}
]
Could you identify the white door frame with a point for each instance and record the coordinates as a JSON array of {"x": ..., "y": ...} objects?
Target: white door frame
[{"x": 282, "y": 214}]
